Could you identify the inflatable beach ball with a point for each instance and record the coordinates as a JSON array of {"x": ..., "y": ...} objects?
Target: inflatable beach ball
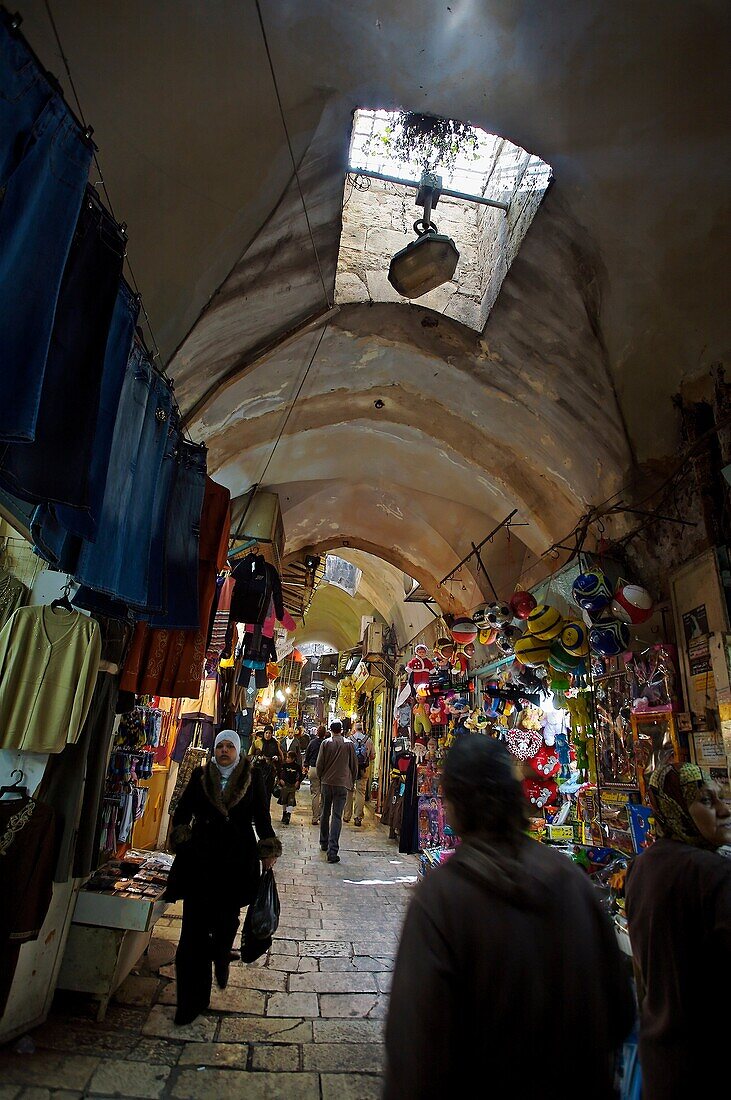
[
  {"x": 609, "y": 638},
  {"x": 632, "y": 604},
  {"x": 561, "y": 659},
  {"x": 463, "y": 631},
  {"x": 574, "y": 638},
  {"x": 532, "y": 651},
  {"x": 544, "y": 621},
  {"x": 498, "y": 614},
  {"x": 592, "y": 591}
]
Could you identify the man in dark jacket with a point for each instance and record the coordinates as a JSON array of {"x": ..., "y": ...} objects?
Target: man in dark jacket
[
  {"x": 506, "y": 956},
  {"x": 337, "y": 770},
  {"x": 216, "y": 867}
]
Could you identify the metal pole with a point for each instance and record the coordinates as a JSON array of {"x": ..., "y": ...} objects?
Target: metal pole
[{"x": 415, "y": 184}]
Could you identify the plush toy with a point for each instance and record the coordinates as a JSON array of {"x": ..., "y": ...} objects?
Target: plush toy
[
  {"x": 546, "y": 762},
  {"x": 463, "y": 654},
  {"x": 477, "y": 721},
  {"x": 420, "y": 666},
  {"x": 438, "y": 713},
  {"x": 422, "y": 723},
  {"x": 540, "y": 793}
]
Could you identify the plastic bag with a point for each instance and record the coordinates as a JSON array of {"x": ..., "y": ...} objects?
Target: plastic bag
[{"x": 264, "y": 911}]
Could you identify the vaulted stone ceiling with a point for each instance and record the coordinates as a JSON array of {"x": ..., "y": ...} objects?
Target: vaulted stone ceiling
[{"x": 619, "y": 292}]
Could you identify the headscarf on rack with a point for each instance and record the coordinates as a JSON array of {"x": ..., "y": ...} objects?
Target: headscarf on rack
[
  {"x": 672, "y": 789},
  {"x": 233, "y": 737}
]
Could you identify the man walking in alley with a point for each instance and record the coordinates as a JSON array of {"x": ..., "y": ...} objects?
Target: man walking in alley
[
  {"x": 310, "y": 765},
  {"x": 365, "y": 754},
  {"x": 337, "y": 770}
]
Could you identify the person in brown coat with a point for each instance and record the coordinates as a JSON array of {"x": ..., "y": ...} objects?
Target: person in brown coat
[
  {"x": 678, "y": 904},
  {"x": 506, "y": 958}
]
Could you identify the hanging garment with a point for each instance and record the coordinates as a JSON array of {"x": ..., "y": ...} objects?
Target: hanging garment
[
  {"x": 205, "y": 705},
  {"x": 13, "y": 595},
  {"x": 117, "y": 564},
  {"x": 193, "y": 731},
  {"x": 55, "y": 467},
  {"x": 257, "y": 582},
  {"x": 181, "y": 604},
  {"x": 53, "y": 526},
  {"x": 269, "y": 624},
  {"x": 44, "y": 165},
  {"x": 49, "y": 660},
  {"x": 158, "y": 579},
  {"x": 218, "y": 631},
  {"x": 170, "y": 662},
  {"x": 73, "y": 784},
  {"x": 27, "y": 853}
]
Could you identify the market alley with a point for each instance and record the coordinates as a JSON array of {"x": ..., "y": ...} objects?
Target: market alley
[{"x": 313, "y": 1010}]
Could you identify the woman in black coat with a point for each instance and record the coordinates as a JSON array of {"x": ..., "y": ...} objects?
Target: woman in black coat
[
  {"x": 216, "y": 868},
  {"x": 273, "y": 757}
]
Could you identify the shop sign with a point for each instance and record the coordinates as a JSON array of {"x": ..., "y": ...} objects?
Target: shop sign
[
  {"x": 708, "y": 749},
  {"x": 560, "y": 832}
]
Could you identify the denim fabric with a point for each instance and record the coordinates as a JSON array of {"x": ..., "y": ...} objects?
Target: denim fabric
[
  {"x": 44, "y": 164},
  {"x": 157, "y": 583},
  {"x": 57, "y": 465},
  {"x": 53, "y": 526},
  {"x": 118, "y": 562},
  {"x": 182, "y": 542},
  {"x": 331, "y": 816}
]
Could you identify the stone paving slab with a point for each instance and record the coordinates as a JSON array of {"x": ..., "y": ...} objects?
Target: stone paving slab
[
  {"x": 160, "y": 1022},
  {"x": 250, "y": 1029},
  {"x": 348, "y": 1031},
  {"x": 233, "y": 1055},
  {"x": 343, "y": 1057},
  {"x": 47, "y": 1068},
  {"x": 350, "y": 1087},
  {"x": 116, "y": 1077},
  {"x": 276, "y": 1059},
  {"x": 293, "y": 1004},
  {"x": 231, "y": 1084},
  {"x": 344, "y": 1005},
  {"x": 333, "y": 983}
]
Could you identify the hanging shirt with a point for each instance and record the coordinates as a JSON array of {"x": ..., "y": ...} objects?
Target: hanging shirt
[{"x": 49, "y": 660}]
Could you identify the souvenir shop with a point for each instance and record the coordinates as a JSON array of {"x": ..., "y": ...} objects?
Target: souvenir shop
[
  {"x": 582, "y": 680},
  {"x": 128, "y": 634}
]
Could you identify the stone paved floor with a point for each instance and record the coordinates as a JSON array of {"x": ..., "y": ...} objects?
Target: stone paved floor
[{"x": 305, "y": 1023}]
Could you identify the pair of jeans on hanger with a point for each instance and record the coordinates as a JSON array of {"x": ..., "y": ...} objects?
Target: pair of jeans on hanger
[
  {"x": 44, "y": 165},
  {"x": 56, "y": 466}
]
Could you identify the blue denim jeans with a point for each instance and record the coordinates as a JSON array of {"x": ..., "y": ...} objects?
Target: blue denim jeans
[
  {"x": 56, "y": 529},
  {"x": 118, "y": 562},
  {"x": 44, "y": 165},
  {"x": 56, "y": 466},
  {"x": 157, "y": 583},
  {"x": 182, "y": 542},
  {"x": 331, "y": 816}
]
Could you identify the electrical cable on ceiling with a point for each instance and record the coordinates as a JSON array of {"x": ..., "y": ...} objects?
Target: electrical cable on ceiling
[
  {"x": 326, "y": 296},
  {"x": 102, "y": 182}
]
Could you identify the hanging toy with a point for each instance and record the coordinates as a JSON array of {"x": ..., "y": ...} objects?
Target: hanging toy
[
  {"x": 477, "y": 721},
  {"x": 532, "y": 651},
  {"x": 419, "y": 666},
  {"x": 487, "y": 635},
  {"x": 561, "y": 660},
  {"x": 422, "y": 722},
  {"x": 463, "y": 631},
  {"x": 462, "y": 657},
  {"x": 498, "y": 614},
  {"x": 592, "y": 591},
  {"x": 544, "y": 622},
  {"x": 632, "y": 604},
  {"x": 438, "y": 713},
  {"x": 522, "y": 603},
  {"x": 574, "y": 637},
  {"x": 540, "y": 793},
  {"x": 444, "y": 652},
  {"x": 609, "y": 638}
]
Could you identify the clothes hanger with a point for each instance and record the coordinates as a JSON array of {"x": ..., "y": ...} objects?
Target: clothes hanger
[
  {"x": 63, "y": 600},
  {"x": 15, "y": 788}
]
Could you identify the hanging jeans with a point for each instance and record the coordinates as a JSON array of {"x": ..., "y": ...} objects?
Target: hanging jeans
[
  {"x": 56, "y": 466},
  {"x": 44, "y": 164},
  {"x": 182, "y": 542},
  {"x": 157, "y": 584},
  {"x": 117, "y": 564}
]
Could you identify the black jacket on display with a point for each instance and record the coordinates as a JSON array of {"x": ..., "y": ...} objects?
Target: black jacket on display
[
  {"x": 216, "y": 851},
  {"x": 257, "y": 582}
]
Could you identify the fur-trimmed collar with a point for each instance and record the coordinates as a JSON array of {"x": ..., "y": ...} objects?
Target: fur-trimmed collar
[{"x": 237, "y": 786}]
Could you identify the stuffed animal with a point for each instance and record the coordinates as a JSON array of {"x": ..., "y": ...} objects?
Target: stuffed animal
[
  {"x": 477, "y": 721},
  {"x": 438, "y": 712},
  {"x": 463, "y": 653},
  {"x": 419, "y": 667},
  {"x": 422, "y": 723}
]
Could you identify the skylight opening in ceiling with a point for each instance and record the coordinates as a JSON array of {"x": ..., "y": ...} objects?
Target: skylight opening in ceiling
[
  {"x": 378, "y": 217},
  {"x": 474, "y": 172}
]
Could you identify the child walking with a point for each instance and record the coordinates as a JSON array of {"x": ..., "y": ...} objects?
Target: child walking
[{"x": 290, "y": 780}]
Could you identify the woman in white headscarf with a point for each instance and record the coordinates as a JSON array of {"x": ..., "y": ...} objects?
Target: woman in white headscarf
[{"x": 217, "y": 866}]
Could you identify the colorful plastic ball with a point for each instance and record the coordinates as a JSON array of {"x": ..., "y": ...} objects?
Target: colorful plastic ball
[
  {"x": 545, "y": 622},
  {"x": 574, "y": 637},
  {"x": 592, "y": 591},
  {"x": 561, "y": 660},
  {"x": 522, "y": 603},
  {"x": 632, "y": 604},
  {"x": 498, "y": 614},
  {"x": 479, "y": 615},
  {"x": 463, "y": 631},
  {"x": 488, "y": 635},
  {"x": 504, "y": 642},
  {"x": 532, "y": 651},
  {"x": 609, "y": 638}
]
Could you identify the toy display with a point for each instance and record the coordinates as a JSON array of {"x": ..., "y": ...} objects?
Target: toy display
[
  {"x": 609, "y": 637},
  {"x": 522, "y": 603},
  {"x": 592, "y": 591},
  {"x": 632, "y": 603},
  {"x": 544, "y": 622},
  {"x": 463, "y": 631},
  {"x": 532, "y": 651}
]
